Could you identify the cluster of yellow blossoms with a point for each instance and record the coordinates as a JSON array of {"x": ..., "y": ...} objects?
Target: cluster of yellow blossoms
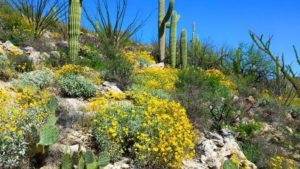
[
  {"x": 279, "y": 162},
  {"x": 20, "y": 113},
  {"x": 222, "y": 78},
  {"x": 157, "y": 78},
  {"x": 87, "y": 72},
  {"x": 138, "y": 57},
  {"x": 159, "y": 128}
]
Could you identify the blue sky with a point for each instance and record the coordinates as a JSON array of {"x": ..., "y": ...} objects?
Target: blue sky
[{"x": 226, "y": 22}]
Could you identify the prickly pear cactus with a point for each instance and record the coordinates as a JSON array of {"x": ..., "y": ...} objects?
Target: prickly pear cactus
[
  {"x": 66, "y": 162},
  {"x": 89, "y": 157},
  {"x": 103, "y": 159},
  {"x": 48, "y": 132}
]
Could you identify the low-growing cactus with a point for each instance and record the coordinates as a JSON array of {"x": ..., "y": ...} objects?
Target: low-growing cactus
[
  {"x": 84, "y": 161},
  {"x": 48, "y": 132}
]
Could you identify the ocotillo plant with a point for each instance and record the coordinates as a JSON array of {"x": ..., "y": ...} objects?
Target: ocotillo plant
[
  {"x": 173, "y": 37},
  {"x": 75, "y": 8},
  {"x": 162, "y": 21},
  {"x": 183, "y": 48}
]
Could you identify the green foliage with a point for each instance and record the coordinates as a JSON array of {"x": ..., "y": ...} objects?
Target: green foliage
[
  {"x": 113, "y": 33},
  {"x": 13, "y": 26},
  {"x": 84, "y": 161},
  {"x": 66, "y": 162},
  {"x": 75, "y": 8},
  {"x": 247, "y": 130},
  {"x": 6, "y": 71},
  {"x": 39, "y": 78},
  {"x": 76, "y": 86},
  {"x": 103, "y": 159},
  {"x": 253, "y": 152},
  {"x": 48, "y": 132},
  {"x": 89, "y": 157},
  {"x": 119, "y": 69},
  {"x": 228, "y": 164},
  {"x": 40, "y": 14}
]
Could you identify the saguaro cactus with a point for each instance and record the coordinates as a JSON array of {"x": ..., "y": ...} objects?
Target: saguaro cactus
[
  {"x": 173, "y": 37},
  {"x": 162, "y": 21},
  {"x": 183, "y": 48},
  {"x": 74, "y": 28}
]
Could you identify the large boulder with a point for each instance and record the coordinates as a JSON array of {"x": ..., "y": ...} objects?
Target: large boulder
[{"x": 215, "y": 149}]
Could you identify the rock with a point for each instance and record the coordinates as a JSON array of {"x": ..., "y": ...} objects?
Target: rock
[
  {"x": 109, "y": 87},
  {"x": 215, "y": 149},
  {"x": 8, "y": 48},
  {"x": 289, "y": 130},
  {"x": 251, "y": 100},
  {"x": 71, "y": 111},
  {"x": 235, "y": 98},
  {"x": 296, "y": 156},
  {"x": 123, "y": 164},
  {"x": 193, "y": 164},
  {"x": 158, "y": 65}
]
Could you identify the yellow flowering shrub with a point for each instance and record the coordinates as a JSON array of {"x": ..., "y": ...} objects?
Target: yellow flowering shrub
[
  {"x": 279, "y": 162},
  {"x": 20, "y": 112},
  {"x": 215, "y": 73},
  {"x": 139, "y": 57},
  {"x": 156, "y": 78},
  {"x": 156, "y": 131},
  {"x": 87, "y": 72}
]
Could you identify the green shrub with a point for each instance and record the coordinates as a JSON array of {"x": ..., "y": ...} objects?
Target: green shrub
[
  {"x": 76, "y": 86},
  {"x": 119, "y": 69},
  {"x": 253, "y": 152},
  {"x": 38, "y": 78},
  {"x": 247, "y": 130},
  {"x": 6, "y": 72},
  {"x": 15, "y": 27}
]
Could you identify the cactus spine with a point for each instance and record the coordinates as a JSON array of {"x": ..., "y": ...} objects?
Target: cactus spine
[
  {"x": 173, "y": 37},
  {"x": 162, "y": 21},
  {"x": 74, "y": 28},
  {"x": 183, "y": 48}
]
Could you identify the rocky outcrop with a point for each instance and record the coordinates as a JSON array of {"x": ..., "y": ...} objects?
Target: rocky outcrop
[{"x": 215, "y": 149}]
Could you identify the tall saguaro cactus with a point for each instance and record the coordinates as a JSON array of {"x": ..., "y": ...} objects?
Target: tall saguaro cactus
[
  {"x": 75, "y": 8},
  {"x": 173, "y": 37},
  {"x": 162, "y": 21},
  {"x": 183, "y": 48}
]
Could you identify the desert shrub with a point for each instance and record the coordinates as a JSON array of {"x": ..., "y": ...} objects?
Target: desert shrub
[
  {"x": 76, "y": 86},
  {"x": 6, "y": 71},
  {"x": 253, "y": 152},
  {"x": 38, "y": 78},
  {"x": 22, "y": 113},
  {"x": 247, "y": 130},
  {"x": 87, "y": 72},
  {"x": 119, "y": 70},
  {"x": 40, "y": 14},
  {"x": 15, "y": 28},
  {"x": 140, "y": 89},
  {"x": 278, "y": 162},
  {"x": 156, "y": 132},
  {"x": 204, "y": 93},
  {"x": 156, "y": 78},
  {"x": 139, "y": 58}
]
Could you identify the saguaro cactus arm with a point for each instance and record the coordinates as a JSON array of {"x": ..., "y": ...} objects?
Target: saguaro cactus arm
[
  {"x": 183, "y": 48},
  {"x": 162, "y": 21},
  {"x": 173, "y": 38},
  {"x": 75, "y": 8}
]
